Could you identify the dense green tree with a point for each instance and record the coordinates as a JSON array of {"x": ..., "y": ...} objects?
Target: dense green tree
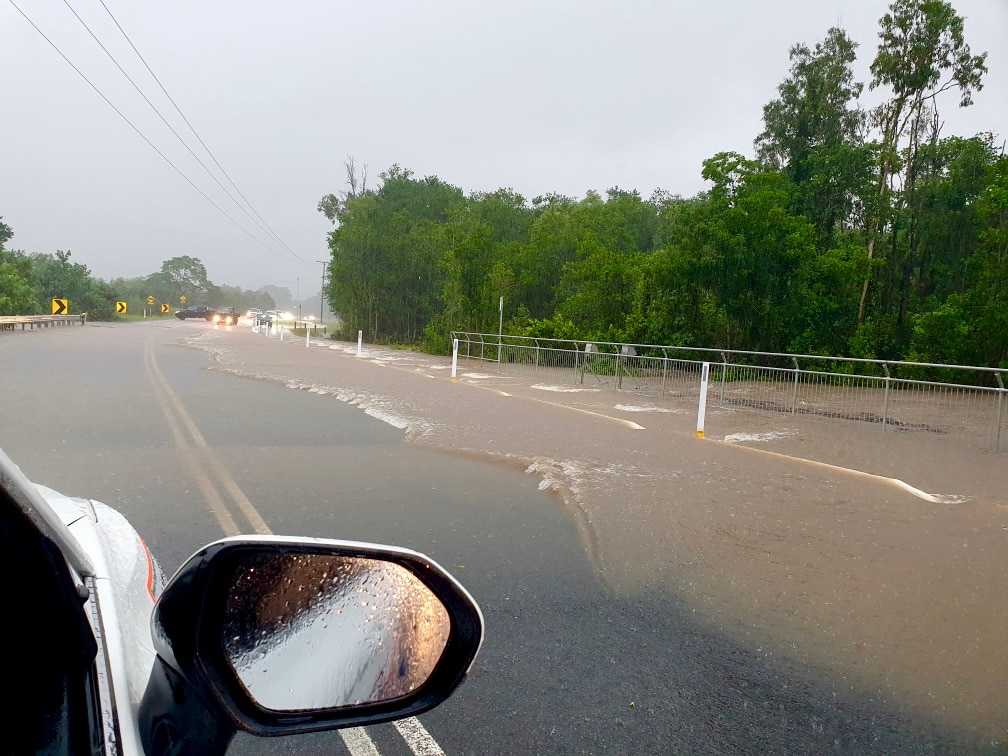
[
  {"x": 186, "y": 276},
  {"x": 970, "y": 325},
  {"x": 384, "y": 275},
  {"x": 779, "y": 254},
  {"x": 754, "y": 251},
  {"x": 57, "y": 277},
  {"x": 813, "y": 134},
  {"x": 922, "y": 53},
  {"x": 16, "y": 294}
]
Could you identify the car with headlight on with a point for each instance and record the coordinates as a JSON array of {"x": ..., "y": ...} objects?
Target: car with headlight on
[
  {"x": 270, "y": 635},
  {"x": 223, "y": 316}
]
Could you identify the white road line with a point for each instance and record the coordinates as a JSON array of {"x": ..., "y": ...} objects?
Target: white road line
[
  {"x": 358, "y": 742},
  {"x": 417, "y": 738}
]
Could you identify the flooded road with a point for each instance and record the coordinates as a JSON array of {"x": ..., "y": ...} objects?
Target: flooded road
[
  {"x": 885, "y": 592},
  {"x": 645, "y": 592}
]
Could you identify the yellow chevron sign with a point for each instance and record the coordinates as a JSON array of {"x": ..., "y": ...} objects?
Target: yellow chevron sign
[
  {"x": 120, "y": 308},
  {"x": 165, "y": 308},
  {"x": 60, "y": 306}
]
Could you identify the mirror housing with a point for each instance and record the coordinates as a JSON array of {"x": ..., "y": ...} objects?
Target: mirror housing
[{"x": 194, "y": 632}]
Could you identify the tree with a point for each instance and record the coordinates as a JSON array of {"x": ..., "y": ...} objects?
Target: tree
[
  {"x": 16, "y": 294},
  {"x": 922, "y": 53},
  {"x": 331, "y": 205},
  {"x": 186, "y": 276},
  {"x": 754, "y": 251},
  {"x": 57, "y": 277},
  {"x": 813, "y": 133},
  {"x": 384, "y": 274},
  {"x": 970, "y": 327}
]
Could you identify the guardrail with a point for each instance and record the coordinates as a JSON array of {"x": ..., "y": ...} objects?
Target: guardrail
[
  {"x": 966, "y": 403},
  {"x": 312, "y": 325},
  {"x": 11, "y": 322}
]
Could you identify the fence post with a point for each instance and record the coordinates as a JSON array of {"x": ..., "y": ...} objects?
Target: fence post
[
  {"x": 536, "y": 357},
  {"x": 664, "y": 371},
  {"x": 724, "y": 376},
  {"x": 619, "y": 369},
  {"x": 500, "y": 334},
  {"x": 1001, "y": 394},
  {"x": 794, "y": 392},
  {"x": 885, "y": 407}
]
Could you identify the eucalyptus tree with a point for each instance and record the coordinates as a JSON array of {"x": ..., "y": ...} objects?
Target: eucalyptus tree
[
  {"x": 922, "y": 54},
  {"x": 814, "y": 133}
]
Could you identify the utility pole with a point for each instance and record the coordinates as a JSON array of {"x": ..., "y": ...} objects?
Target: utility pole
[{"x": 322, "y": 298}]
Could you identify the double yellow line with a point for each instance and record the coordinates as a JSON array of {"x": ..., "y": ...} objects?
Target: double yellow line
[{"x": 214, "y": 481}]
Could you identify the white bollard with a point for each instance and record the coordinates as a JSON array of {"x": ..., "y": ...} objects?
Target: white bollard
[
  {"x": 307, "y": 330},
  {"x": 704, "y": 375},
  {"x": 360, "y": 335},
  {"x": 454, "y": 358}
]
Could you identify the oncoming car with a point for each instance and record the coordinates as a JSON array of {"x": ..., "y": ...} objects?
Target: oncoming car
[
  {"x": 260, "y": 633},
  {"x": 223, "y": 316}
]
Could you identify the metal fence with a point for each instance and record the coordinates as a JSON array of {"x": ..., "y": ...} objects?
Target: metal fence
[{"x": 965, "y": 404}]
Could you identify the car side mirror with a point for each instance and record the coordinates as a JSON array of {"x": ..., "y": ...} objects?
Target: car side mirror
[{"x": 291, "y": 635}]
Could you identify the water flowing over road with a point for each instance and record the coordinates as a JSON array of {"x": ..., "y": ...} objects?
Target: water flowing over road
[{"x": 771, "y": 588}]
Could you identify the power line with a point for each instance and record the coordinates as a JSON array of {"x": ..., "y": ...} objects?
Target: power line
[
  {"x": 164, "y": 120},
  {"x": 144, "y": 137},
  {"x": 196, "y": 134}
]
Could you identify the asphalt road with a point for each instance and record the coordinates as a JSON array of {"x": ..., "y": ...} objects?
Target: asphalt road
[{"x": 571, "y": 665}]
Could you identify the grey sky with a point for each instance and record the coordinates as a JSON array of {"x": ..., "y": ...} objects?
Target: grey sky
[{"x": 541, "y": 97}]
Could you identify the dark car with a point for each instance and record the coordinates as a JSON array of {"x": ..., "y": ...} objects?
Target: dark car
[{"x": 202, "y": 312}]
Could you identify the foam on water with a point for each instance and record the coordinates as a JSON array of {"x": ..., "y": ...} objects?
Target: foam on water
[
  {"x": 564, "y": 389},
  {"x": 648, "y": 408},
  {"x": 740, "y": 438},
  {"x": 378, "y": 407}
]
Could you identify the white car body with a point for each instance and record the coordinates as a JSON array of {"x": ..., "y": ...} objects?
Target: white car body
[
  {"x": 127, "y": 581},
  {"x": 159, "y": 675}
]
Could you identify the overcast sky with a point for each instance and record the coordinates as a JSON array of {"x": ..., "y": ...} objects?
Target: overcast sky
[{"x": 538, "y": 96}]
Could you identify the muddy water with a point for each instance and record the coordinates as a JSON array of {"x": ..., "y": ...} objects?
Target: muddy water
[
  {"x": 894, "y": 595},
  {"x": 899, "y": 597}
]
